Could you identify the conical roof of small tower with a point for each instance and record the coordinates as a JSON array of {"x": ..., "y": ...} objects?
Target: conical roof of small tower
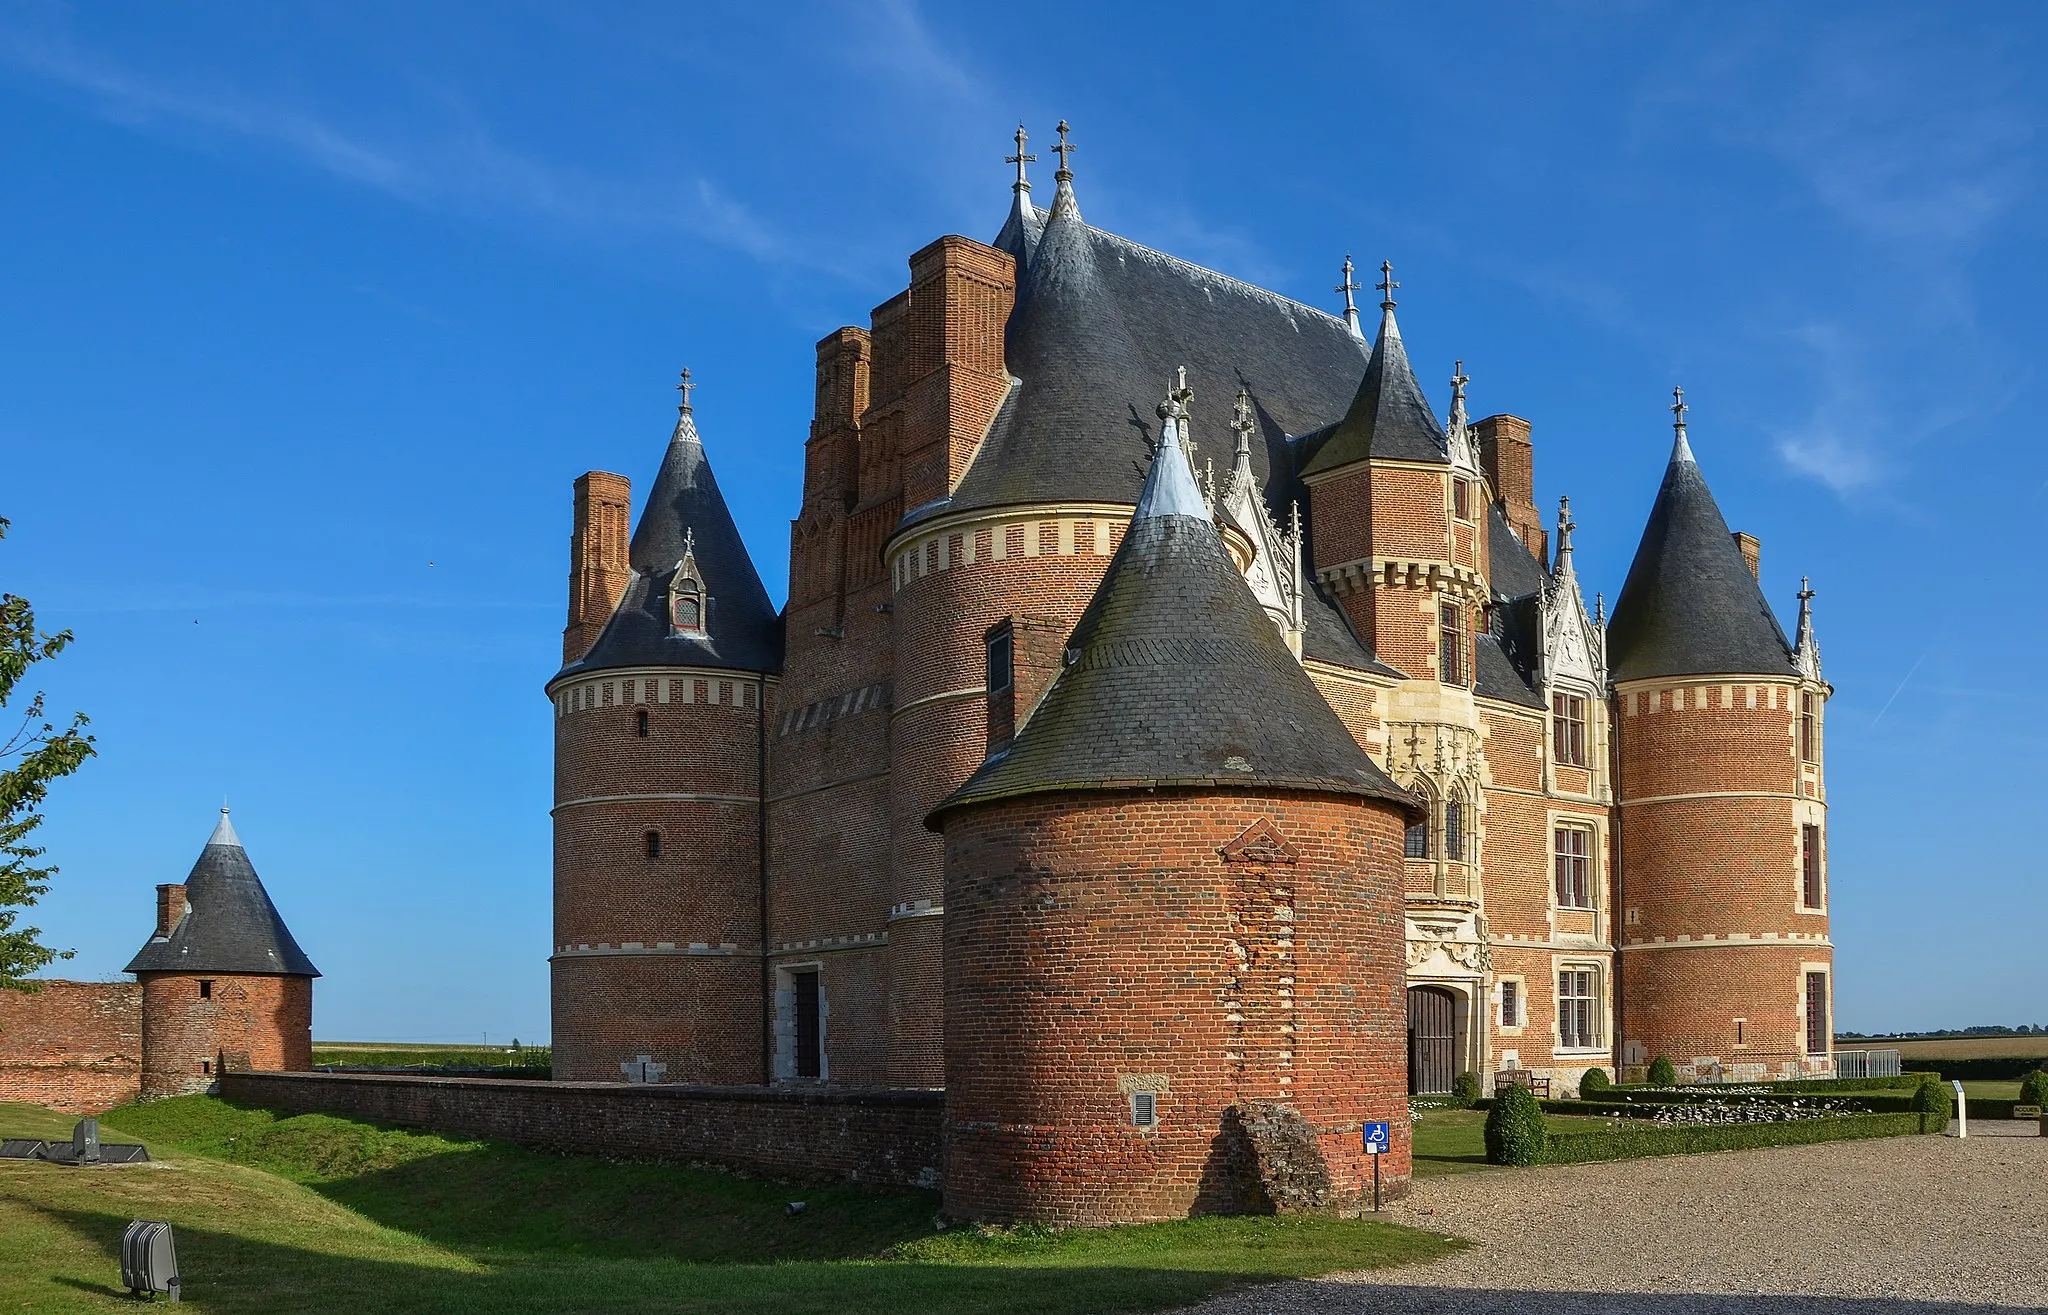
[
  {"x": 1176, "y": 677},
  {"x": 1390, "y": 417},
  {"x": 232, "y": 927},
  {"x": 684, "y": 509},
  {"x": 1690, "y": 607}
]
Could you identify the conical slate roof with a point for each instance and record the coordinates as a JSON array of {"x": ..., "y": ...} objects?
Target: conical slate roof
[
  {"x": 1176, "y": 677},
  {"x": 232, "y": 928},
  {"x": 1690, "y": 607},
  {"x": 1390, "y": 418},
  {"x": 741, "y": 628}
]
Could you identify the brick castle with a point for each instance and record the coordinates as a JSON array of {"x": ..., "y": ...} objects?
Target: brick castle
[{"x": 1174, "y": 731}]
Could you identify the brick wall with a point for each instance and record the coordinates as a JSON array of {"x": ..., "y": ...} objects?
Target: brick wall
[
  {"x": 187, "y": 1029},
  {"x": 1103, "y": 944},
  {"x": 73, "y": 1046},
  {"x": 874, "y": 1136}
]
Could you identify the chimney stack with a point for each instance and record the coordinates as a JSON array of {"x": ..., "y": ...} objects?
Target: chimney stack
[
  {"x": 1752, "y": 553},
  {"x": 598, "y": 569},
  {"x": 1508, "y": 456},
  {"x": 170, "y": 908}
]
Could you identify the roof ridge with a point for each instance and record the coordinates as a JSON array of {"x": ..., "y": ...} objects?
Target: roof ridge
[{"x": 1185, "y": 263}]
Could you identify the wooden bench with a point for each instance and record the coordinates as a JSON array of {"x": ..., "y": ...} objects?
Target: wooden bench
[{"x": 1521, "y": 1077}]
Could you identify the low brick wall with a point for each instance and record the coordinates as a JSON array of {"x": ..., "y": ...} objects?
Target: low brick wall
[
  {"x": 875, "y": 1136},
  {"x": 73, "y": 1046}
]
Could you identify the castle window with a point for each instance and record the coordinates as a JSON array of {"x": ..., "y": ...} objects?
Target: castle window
[
  {"x": 1000, "y": 652},
  {"x": 1578, "y": 1009},
  {"x": 654, "y": 844},
  {"x": 1811, "y": 893},
  {"x": 640, "y": 723},
  {"x": 1817, "y": 1030},
  {"x": 1454, "y": 830},
  {"x": 1809, "y": 730},
  {"x": 205, "y": 1067},
  {"x": 1144, "y": 1109},
  {"x": 1461, "y": 499},
  {"x": 806, "y": 1008},
  {"x": 205, "y": 989},
  {"x": 1741, "y": 1031},
  {"x": 1573, "y": 847},
  {"x": 1450, "y": 648},
  {"x": 1568, "y": 730},
  {"x": 1415, "y": 844},
  {"x": 1511, "y": 1003}
]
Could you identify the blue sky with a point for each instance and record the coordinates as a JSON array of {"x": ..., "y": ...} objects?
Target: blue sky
[{"x": 312, "y": 312}]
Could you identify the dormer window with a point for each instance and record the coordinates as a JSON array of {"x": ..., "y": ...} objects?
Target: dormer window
[{"x": 686, "y": 601}]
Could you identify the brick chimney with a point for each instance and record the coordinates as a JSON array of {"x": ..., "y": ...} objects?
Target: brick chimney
[
  {"x": 598, "y": 569},
  {"x": 1752, "y": 552},
  {"x": 952, "y": 359},
  {"x": 1508, "y": 456},
  {"x": 170, "y": 907}
]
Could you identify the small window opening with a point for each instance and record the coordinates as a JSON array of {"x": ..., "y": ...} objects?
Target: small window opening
[
  {"x": 205, "y": 989},
  {"x": 1144, "y": 1109},
  {"x": 1451, "y": 643},
  {"x": 1810, "y": 892},
  {"x": 1741, "y": 1026},
  {"x": 1510, "y": 1004},
  {"x": 1454, "y": 831},
  {"x": 1461, "y": 499},
  {"x": 806, "y": 1006},
  {"x": 1416, "y": 843},
  {"x": 206, "y": 1066},
  {"x": 1809, "y": 730},
  {"x": 654, "y": 844},
  {"x": 640, "y": 723},
  {"x": 1817, "y": 1029},
  {"x": 1000, "y": 652}
]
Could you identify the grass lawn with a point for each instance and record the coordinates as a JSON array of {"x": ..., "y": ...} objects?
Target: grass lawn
[
  {"x": 316, "y": 1213},
  {"x": 1991, "y": 1090},
  {"x": 1454, "y": 1141}
]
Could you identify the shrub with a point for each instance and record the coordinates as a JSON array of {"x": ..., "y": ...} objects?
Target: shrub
[
  {"x": 1662, "y": 1073},
  {"x": 1595, "y": 1080},
  {"x": 1632, "y": 1138},
  {"x": 1515, "y": 1133},
  {"x": 1466, "y": 1088},
  {"x": 2034, "y": 1088},
  {"x": 1936, "y": 1106}
]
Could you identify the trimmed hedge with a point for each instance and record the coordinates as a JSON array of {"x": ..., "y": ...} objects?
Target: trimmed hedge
[
  {"x": 1977, "y": 1070},
  {"x": 2034, "y": 1089},
  {"x": 1935, "y": 1103},
  {"x": 1466, "y": 1087},
  {"x": 1864, "y": 1102},
  {"x": 1595, "y": 1079},
  {"x": 1633, "y": 1140},
  {"x": 1662, "y": 1072},
  {"x": 1515, "y": 1131}
]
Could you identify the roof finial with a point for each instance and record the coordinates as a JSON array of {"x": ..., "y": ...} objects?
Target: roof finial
[
  {"x": 1020, "y": 159},
  {"x": 1805, "y": 648},
  {"x": 1347, "y": 287},
  {"x": 1805, "y": 603},
  {"x": 1678, "y": 409},
  {"x": 1458, "y": 381},
  {"x": 1387, "y": 284},
  {"x": 684, "y": 388},
  {"x": 1242, "y": 423},
  {"x": 1064, "y": 173},
  {"x": 689, "y": 540},
  {"x": 1599, "y": 609},
  {"x": 1565, "y": 526}
]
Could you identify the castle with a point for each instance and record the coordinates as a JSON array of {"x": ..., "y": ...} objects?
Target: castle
[
  {"x": 220, "y": 986},
  {"x": 1173, "y": 727}
]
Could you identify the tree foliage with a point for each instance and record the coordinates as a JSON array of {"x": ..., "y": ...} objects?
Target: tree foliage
[
  {"x": 33, "y": 753},
  {"x": 1515, "y": 1131}
]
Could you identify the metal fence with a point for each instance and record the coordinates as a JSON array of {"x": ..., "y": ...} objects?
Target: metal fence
[{"x": 1867, "y": 1064}]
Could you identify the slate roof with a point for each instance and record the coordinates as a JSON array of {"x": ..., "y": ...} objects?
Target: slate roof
[
  {"x": 1388, "y": 417},
  {"x": 1504, "y": 666},
  {"x": 1690, "y": 606},
  {"x": 1101, "y": 324},
  {"x": 1176, "y": 677},
  {"x": 232, "y": 928},
  {"x": 743, "y": 630}
]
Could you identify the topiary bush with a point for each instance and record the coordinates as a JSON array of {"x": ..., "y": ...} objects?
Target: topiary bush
[
  {"x": 1595, "y": 1080},
  {"x": 1662, "y": 1072},
  {"x": 1936, "y": 1104},
  {"x": 1466, "y": 1088},
  {"x": 2034, "y": 1088},
  {"x": 1515, "y": 1132}
]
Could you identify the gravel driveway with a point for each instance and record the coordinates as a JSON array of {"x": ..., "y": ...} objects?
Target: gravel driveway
[{"x": 1893, "y": 1226}]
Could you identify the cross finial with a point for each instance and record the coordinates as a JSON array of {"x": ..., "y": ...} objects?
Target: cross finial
[
  {"x": 1565, "y": 526},
  {"x": 689, "y": 540},
  {"x": 1805, "y": 590},
  {"x": 1349, "y": 286},
  {"x": 1387, "y": 284},
  {"x": 1242, "y": 421},
  {"x": 1678, "y": 409},
  {"x": 684, "y": 388},
  {"x": 1020, "y": 159},
  {"x": 1063, "y": 150},
  {"x": 1458, "y": 381}
]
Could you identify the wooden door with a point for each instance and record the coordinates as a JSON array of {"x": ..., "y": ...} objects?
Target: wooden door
[{"x": 1432, "y": 1039}]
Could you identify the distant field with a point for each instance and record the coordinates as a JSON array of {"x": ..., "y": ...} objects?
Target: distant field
[
  {"x": 396, "y": 1055},
  {"x": 409, "y": 1045},
  {"x": 1959, "y": 1047}
]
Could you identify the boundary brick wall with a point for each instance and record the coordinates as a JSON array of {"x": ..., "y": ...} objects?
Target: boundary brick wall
[
  {"x": 73, "y": 1046},
  {"x": 878, "y": 1136}
]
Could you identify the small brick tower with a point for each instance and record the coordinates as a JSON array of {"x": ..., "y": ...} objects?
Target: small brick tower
[
  {"x": 1726, "y": 963},
  {"x": 660, "y": 737},
  {"x": 1173, "y": 945},
  {"x": 223, "y": 982}
]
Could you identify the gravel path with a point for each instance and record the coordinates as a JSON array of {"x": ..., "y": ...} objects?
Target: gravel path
[{"x": 1892, "y": 1226}]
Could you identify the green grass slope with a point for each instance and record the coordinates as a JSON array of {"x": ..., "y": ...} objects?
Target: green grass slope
[{"x": 317, "y": 1214}]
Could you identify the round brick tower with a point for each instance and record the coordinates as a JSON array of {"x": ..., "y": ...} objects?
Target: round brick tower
[
  {"x": 1725, "y": 962},
  {"x": 1174, "y": 954},
  {"x": 224, "y": 985},
  {"x": 659, "y": 738}
]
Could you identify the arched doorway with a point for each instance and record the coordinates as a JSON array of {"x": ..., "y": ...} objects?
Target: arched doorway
[{"x": 1432, "y": 1039}]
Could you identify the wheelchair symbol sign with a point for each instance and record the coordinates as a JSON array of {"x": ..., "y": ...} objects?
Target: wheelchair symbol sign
[{"x": 1377, "y": 1139}]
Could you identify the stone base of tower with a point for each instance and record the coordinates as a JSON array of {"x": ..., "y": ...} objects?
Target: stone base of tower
[
  {"x": 1727, "y": 1014},
  {"x": 697, "y": 1017},
  {"x": 193, "y": 1025},
  {"x": 1133, "y": 983}
]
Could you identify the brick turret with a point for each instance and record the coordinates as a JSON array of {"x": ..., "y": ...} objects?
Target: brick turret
[
  {"x": 1172, "y": 923},
  {"x": 1726, "y": 961},
  {"x": 223, "y": 982},
  {"x": 660, "y": 732}
]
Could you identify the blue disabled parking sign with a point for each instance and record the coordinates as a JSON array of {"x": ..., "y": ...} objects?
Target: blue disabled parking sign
[{"x": 1377, "y": 1139}]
